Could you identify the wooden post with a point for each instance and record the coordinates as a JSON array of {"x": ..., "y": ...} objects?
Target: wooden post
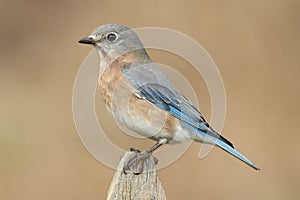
[{"x": 145, "y": 186}]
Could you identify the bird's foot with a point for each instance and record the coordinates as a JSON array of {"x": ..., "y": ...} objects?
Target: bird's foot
[{"x": 135, "y": 163}]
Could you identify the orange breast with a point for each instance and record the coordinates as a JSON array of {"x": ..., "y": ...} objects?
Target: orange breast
[{"x": 135, "y": 112}]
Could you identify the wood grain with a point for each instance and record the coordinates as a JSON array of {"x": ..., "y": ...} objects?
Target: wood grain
[{"x": 136, "y": 187}]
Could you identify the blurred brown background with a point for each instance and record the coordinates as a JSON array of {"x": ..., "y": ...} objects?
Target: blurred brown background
[{"x": 255, "y": 44}]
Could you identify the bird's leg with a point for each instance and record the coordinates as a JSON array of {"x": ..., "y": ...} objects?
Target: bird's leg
[{"x": 135, "y": 164}]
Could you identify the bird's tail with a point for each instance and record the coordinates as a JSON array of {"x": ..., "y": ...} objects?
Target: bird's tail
[{"x": 235, "y": 153}]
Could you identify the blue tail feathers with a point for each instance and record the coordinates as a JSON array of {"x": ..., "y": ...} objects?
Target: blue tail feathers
[{"x": 235, "y": 153}]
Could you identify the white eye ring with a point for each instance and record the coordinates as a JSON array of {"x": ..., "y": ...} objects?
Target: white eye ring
[{"x": 112, "y": 37}]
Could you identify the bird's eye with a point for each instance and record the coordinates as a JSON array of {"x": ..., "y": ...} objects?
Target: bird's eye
[{"x": 112, "y": 37}]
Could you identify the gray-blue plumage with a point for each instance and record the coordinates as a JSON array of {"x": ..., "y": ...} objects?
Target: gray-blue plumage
[
  {"x": 158, "y": 90},
  {"x": 153, "y": 86}
]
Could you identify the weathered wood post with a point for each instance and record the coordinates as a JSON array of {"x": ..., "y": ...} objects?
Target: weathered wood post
[{"x": 145, "y": 186}]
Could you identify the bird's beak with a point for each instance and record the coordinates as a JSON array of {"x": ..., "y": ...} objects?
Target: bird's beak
[{"x": 87, "y": 40}]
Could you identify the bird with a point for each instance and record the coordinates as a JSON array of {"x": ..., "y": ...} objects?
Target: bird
[{"x": 132, "y": 86}]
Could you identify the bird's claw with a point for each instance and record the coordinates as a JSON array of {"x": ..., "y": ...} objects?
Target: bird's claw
[
  {"x": 135, "y": 150},
  {"x": 135, "y": 164}
]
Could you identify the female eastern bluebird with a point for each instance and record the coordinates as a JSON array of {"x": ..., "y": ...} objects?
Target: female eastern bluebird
[{"x": 142, "y": 99}]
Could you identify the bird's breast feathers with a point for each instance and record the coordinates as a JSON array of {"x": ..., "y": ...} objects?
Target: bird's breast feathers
[{"x": 135, "y": 113}]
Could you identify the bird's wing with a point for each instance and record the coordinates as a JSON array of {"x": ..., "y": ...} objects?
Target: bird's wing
[{"x": 153, "y": 86}]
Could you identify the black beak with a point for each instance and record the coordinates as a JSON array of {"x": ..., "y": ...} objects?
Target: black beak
[{"x": 87, "y": 40}]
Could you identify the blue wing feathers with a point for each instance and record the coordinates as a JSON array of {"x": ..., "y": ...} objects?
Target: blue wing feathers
[{"x": 156, "y": 89}]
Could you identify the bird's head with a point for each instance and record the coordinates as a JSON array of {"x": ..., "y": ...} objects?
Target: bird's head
[{"x": 112, "y": 41}]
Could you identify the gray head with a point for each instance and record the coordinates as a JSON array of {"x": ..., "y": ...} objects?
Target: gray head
[{"x": 113, "y": 40}]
